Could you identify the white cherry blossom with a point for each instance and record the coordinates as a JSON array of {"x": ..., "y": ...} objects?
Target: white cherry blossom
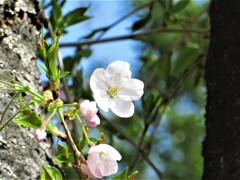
[
  {"x": 101, "y": 161},
  {"x": 114, "y": 88}
]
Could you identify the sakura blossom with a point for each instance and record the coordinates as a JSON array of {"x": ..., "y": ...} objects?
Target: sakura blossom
[
  {"x": 114, "y": 88},
  {"x": 88, "y": 110},
  {"x": 101, "y": 161},
  {"x": 40, "y": 135}
]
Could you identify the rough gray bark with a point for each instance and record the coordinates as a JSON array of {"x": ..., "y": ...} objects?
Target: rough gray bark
[
  {"x": 221, "y": 147},
  {"x": 21, "y": 156}
]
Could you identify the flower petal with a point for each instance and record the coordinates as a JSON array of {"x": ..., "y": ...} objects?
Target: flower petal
[
  {"x": 122, "y": 108},
  {"x": 93, "y": 122},
  {"x": 118, "y": 69},
  {"x": 131, "y": 90},
  {"x": 99, "y": 80},
  {"x": 94, "y": 164},
  {"x": 103, "y": 100},
  {"x": 112, "y": 152},
  {"x": 109, "y": 167},
  {"x": 85, "y": 169}
]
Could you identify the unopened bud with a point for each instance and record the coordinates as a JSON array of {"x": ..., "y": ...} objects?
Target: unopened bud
[{"x": 40, "y": 135}]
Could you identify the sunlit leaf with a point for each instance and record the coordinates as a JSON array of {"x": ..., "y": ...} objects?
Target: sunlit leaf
[
  {"x": 63, "y": 150},
  {"x": 31, "y": 120},
  {"x": 61, "y": 158},
  {"x": 50, "y": 173},
  {"x": 51, "y": 56}
]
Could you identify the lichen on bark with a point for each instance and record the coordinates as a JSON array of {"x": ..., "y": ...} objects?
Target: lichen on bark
[{"x": 21, "y": 156}]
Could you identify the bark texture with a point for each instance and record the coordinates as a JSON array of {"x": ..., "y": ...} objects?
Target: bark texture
[
  {"x": 21, "y": 156},
  {"x": 221, "y": 148}
]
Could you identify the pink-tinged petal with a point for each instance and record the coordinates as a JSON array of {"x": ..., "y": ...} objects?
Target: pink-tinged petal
[
  {"x": 112, "y": 152},
  {"x": 40, "y": 135},
  {"x": 131, "y": 90},
  {"x": 99, "y": 80},
  {"x": 94, "y": 164},
  {"x": 103, "y": 100},
  {"x": 109, "y": 167},
  {"x": 120, "y": 69},
  {"x": 122, "y": 108},
  {"x": 88, "y": 109},
  {"x": 85, "y": 169},
  {"x": 94, "y": 121}
]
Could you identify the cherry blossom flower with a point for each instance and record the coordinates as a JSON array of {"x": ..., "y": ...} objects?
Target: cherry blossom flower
[
  {"x": 88, "y": 110},
  {"x": 40, "y": 135},
  {"x": 114, "y": 88},
  {"x": 102, "y": 161}
]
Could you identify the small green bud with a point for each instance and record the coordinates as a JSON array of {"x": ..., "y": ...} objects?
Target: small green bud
[{"x": 54, "y": 104}]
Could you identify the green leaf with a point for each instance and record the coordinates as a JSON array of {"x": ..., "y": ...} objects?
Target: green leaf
[
  {"x": 43, "y": 49},
  {"x": 61, "y": 158},
  {"x": 185, "y": 59},
  {"x": 164, "y": 67},
  {"x": 142, "y": 22},
  {"x": 63, "y": 150},
  {"x": 75, "y": 16},
  {"x": 50, "y": 173},
  {"x": 122, "y": 175},
  {"x": 31, "y": 120},
  {"x": 85, "y": 53},
  {"x": 56, "y": 18},
  {"x": 65, "y": 73},
  {"x": 69, "y": 62},
  {"x": 53, "y": 71},
  {"x": 82, "y": 142},
  {"x": 94, "y": 139},
  {"x": 43, "y": 68},
  {"x": 180, "y": 5}
]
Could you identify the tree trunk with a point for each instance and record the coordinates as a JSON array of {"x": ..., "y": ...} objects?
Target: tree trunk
[
  {"x": 221, "y": 148},
  {"x": 21, "y": 156}
]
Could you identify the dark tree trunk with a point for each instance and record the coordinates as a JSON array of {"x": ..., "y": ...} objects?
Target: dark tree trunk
[
  {"x": 221, "y": 148},
  {"x": 21, "y": 156}
]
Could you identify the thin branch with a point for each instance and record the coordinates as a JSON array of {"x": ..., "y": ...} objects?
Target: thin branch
[
  {"x": 157, "y": 118},
  {"x": 107, "y": 28},
  {"x": 144, "y": 155},
  {"x": 134, "y": 36}
]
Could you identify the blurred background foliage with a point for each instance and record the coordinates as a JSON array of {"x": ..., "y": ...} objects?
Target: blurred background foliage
[{"x": 164, "y": 136}]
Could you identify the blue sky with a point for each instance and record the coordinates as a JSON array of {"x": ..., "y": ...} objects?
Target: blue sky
[{"x": 103, "y": 13}]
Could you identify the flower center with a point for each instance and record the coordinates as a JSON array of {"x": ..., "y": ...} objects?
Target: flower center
[
  {"x": 102, "y": 155},
  {"x": 113, "y": 91}
]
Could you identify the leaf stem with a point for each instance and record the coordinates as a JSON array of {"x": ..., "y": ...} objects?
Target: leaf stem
[
  {"x": 10, "y": 102},
  {"x": 76, "y": 153},
  {"x": 84, "y": 130},
  {"x": 1, "y": 128},
  {"x": 8, "y": 89},
  {"x": 7, "y": 83},
  {"x": 11, "y": 79},
  {"x": 34, "y": 93}
]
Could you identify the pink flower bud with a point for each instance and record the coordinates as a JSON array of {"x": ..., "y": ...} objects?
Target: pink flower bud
[
  {"x": 40, "y": 135},
  {"x": 89, "y": 111}
]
